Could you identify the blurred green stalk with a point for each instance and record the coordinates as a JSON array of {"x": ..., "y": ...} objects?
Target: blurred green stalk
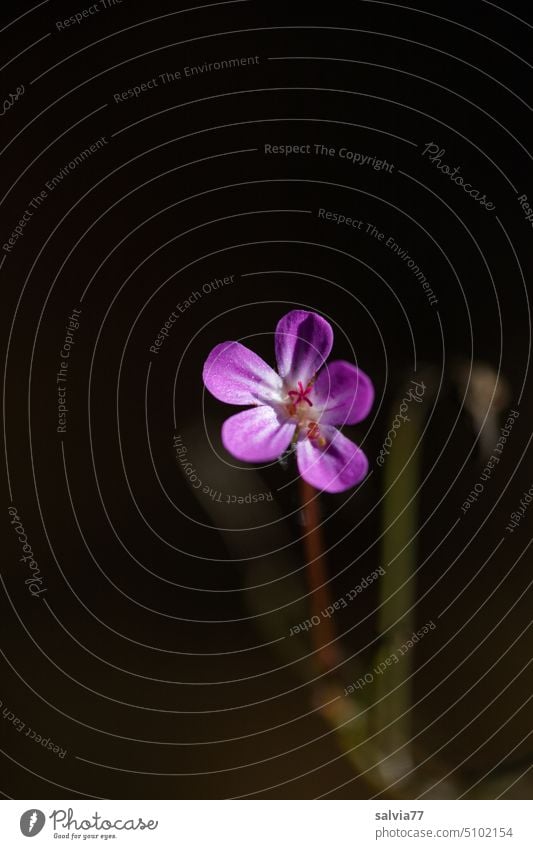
[{"x": 396, "y": 620}]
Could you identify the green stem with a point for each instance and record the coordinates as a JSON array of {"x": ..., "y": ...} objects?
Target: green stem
[{"x": 398, "y": 586}]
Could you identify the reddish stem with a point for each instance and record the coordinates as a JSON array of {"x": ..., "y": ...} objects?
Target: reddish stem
[{"x": 322, "y": 635}]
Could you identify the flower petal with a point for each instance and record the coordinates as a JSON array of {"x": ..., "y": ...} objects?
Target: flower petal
[
  {"x": 234, "y": 374},
  {"x": 334, "y": 467},
  {"x": 344, "y": 393},
  {"x": 303, "y": 342},
  {"x": 257, "y": 435}
]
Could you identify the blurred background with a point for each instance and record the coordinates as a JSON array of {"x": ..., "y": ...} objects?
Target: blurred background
[{"x": 160, "y": 656}]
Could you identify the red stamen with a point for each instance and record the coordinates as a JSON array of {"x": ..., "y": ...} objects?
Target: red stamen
[
  {"x": 313, "y": 431},
  {"x": 301, "y": 394}
]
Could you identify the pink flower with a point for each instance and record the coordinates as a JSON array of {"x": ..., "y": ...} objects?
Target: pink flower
[{"x": 300, "y": 404}]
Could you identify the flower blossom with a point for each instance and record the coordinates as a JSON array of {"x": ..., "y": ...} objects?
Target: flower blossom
[{"x": 297, "y": 406}]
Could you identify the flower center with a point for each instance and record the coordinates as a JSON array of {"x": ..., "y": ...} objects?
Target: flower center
[
  {"x": 297, "y": 407},
  {"x": 298, "y": 402},
  {"x": 300, "y": 395}
]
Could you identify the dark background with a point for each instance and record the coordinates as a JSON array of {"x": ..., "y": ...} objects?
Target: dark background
[{"x": 150, "y": 652}]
